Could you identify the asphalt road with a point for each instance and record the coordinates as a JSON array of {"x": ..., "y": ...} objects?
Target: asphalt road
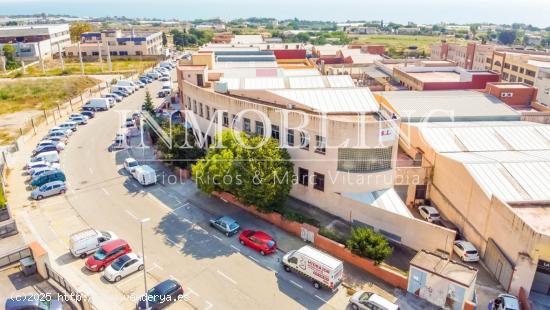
[{"x": 215, "y": 271}]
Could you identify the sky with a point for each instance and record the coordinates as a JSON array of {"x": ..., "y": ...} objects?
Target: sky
[{"x": 535, "y": 12}]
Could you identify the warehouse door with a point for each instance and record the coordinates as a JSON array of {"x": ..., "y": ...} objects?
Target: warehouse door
[
  {"x": 498, "y": 263},
  {"x": 541, "y": 283}
]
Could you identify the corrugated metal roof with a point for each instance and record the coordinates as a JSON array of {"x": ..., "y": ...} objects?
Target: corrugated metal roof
[
  {"x": 386, "y": 199},
  {"x": 332, "y": 100},
  {"x": 306, "y": 82},
  {"x": 232, "y": 83},
  {"x": 495, "y": 180},
  {"x": 264, "y": 83},
  {"x": 441, "y": 139},
  {"x": 544, "y": 131},
  {"x": 301, "y": 72},
  {"x": 479, "y": 139},
  {"x": 533, "y": 176},
  {"x": 523, "y": 138},
  {"x": 544, "y": 155},
  {"x": 340, "y": 81},
  {"x": 508, "y": 156}
]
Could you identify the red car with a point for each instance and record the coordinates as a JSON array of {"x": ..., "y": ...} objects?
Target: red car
[
  {"x": 106, "y": 254},
  {"x": 259, "y": 241}
]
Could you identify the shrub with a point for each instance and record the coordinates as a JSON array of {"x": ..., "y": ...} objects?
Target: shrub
[
  {"x": 65, "y": 72},
  {"x": 367, "y": 243},
  {"x": 332, "y": 235},
  {"x": 18, "y": 74},
  {"x": 298, "y": 217}
]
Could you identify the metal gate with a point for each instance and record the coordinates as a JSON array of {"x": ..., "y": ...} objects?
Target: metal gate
[
  {"x": 72, "y": 296},
  {"x": 499, "y": 264}
]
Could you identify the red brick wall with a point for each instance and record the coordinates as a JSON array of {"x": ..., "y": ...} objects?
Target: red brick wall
[
  {"x": 375, "y": 49},
  {"x": 290, "y": 54},
  {"x": 330, "y": 60},
  {"x": 333, "y": 248},
  {"x": 521, "y": 96},
  {"x": 478, "y": 82}
]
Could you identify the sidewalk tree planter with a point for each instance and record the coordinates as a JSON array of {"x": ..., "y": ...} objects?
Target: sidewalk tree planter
[{"x": 259, "y": 175}]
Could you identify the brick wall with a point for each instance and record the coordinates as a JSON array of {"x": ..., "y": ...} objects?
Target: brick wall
[{"x": 333, "y": 248}]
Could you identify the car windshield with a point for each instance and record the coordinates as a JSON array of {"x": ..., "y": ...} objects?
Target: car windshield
[
  {"x": 132, "y": 164},
  {"x": 117, "y": 265},
  {"x": 106, "y": 234},
  {"x": 365, "y": 296},
  {"x": 100, "y": 255},
  {"x": 233, "y": 225},
  {"x": 270, "y": 243},
  {"x": 471, "y": 252}
]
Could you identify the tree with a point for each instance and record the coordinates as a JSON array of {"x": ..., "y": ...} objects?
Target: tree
[
  {"x": 302, "y": 37},
  {"x": 164, "y": 39},
  {"x": 507, "y": 37},
  {"x": 78, "y": 28},
  {"x": 9, "y": 52},
  {"x": 148, "y": 104},
  {"x": 256, "y": 173},
  {"x": 183, "y": 151},
  {"x": 367, "y": 243}
]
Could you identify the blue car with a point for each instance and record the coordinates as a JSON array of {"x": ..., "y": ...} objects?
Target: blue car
[
  {"x": 32, "y": 302},
  {"x": 226, "y": 225},
  {"x": 161, "y": 296}
]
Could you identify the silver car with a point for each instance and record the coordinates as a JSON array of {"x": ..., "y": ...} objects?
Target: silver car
[{"x": 49, "y": 189}]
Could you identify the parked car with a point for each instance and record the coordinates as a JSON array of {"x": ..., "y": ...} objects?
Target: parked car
[
  {"x": 47, "y": 177},
  {"x": 164, "y": 78},
  {"x": 145, "y": 79},
  {"x": 154, "y": 75},
  {"x": 49, "y": 189},
  {"x": 505, "y": 302},
  {"x": 97, "y": 104},
  {"x": 161, "y": 296},
  {"x": 31, "y": 166},
  {"x": 145, "y": 175},
  {"x": 130, "y": 164},
  {"x": 33, "y": 302},
  {"x": 107, "y": 253},
  {"x": 121, "y": 93},
  {"x": 39, "y": 171},
  {"x": 119, "y": 142},
  {"x": 65, "y": 131},
  {"x": 226, "y": 225},
  {"x": 89, "y": 114},
  {"x": 129, "y": 122},
  {"x": 114, "y": 96},
  {"x": 366, "y": 301},
  {"x": 428, "y": 213},
  {"x": 44, "y": 148},
  {"x": 466, "y": 251},
  {"x": 123, "y": 266},
  {"x": 322, "y": 269},
  {"x": 80, "y": 120},
  {"x": 139, "y": 83},
  {"x": 58, "y": 138},
  {"x": 259, "y": 241},
  {"x": 51, "y": 157},
  {"x": 88, "y": 241},
  {"x": 69, "y": 125},
  {"x": 59, "y": 145}
]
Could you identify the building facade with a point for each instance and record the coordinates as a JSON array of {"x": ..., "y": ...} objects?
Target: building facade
[
  {"x": 472, "y": 56},
  {"x": 35, "y": 41},
  {"x": 118, "y": 43},
  {"x": 443, "y": 78}
]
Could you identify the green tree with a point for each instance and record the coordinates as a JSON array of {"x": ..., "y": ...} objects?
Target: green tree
[
  {"x": 148, "y": 103},
  {"x": 302, "y": 37},
  {"x": 507, "y": 37},
  {"x": 256, "y": 173},
  {"x": 184, "y": 150},
  {"x": 78, "y": 28},
  {"x": 367, "y": 243},
  {"x": 9, "y": 52}
]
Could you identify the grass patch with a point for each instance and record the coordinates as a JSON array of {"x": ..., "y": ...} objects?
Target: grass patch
[
  {"x": 40, "y": 94},
  {"x": 333, "y": 235},
  {"x": 298, "y": 217},
  {"x": 53, "y": 68},
  {"x": 399, "y": 43}
]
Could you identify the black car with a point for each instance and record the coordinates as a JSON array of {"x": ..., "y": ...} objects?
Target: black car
[
  {"x": 89, "y": 114},
  {"x": 32, "y": 302},
  {"x": 121, "y": 93},
  {"x": 161, "y": 296}
]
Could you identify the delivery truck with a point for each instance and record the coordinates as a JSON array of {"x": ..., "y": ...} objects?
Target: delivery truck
[
  {"x": 145, "y": 175},
  {"x": 320, "y": 268}
]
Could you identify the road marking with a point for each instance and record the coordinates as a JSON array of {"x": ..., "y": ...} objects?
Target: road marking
[
  {"x": 172, "y": 241},
  {"x": 191, "y": 291},
  {"x": 176, "y": 279},
  {"x": 105, "y": 191},
  {"x": 252, "y": 258},
  {"x": 159, "y": 267},
  {"x": 91, "y": 171},
  {"x": 174, "y": 210},
  {"x": 321, "y": 299},
  {"x": 270, "y": 269},
  {"x": 134, "y": 276},
  {"x": 209, "y": 305},
  {"x": 236, "y": 248},
  {"x": 217, "y": 237},
  {"x": 131, "y": 215},
  {"x": 298, "y": 285},
  {"x": 226, "y": 277}
]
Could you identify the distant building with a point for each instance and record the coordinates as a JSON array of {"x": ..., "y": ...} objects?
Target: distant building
[
  {"x": 471, "y": 56},
  {"x": 118, "y": 43},
  {"x": 33, "y": 41},
  {"x": 443, "y": 78}
]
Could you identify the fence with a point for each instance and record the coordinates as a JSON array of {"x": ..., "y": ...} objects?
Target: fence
[
  {"x": 73, "y": 295},
  {"x": 8, "y": 228},
  {"x": 14, "y": 256}
]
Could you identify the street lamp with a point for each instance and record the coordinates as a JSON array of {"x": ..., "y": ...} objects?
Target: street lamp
[{"x": 145, "y": 220}]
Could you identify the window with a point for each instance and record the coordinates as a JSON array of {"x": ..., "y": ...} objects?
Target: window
[
  {"x": 303, "y": 176},
  {"x": 505, "y": 76},
  {"x": 304, "y": 141},
  {"x": 225, "y": 119},
  {"x": 246, "y": 125},
  {"x": 290, "y": 137},
  {"x": 275, "y": 132},
  {"x": 513, "y": 78},
  {"x": 234, "y": 121},
  {"x": 521, "y": 70},
  {"x": 207, "y": 112},
  {"x": 259, "y": 128},
  {"x": 320, "y": 145},
  {"x": 214, "y": 115},
  {"x": 200, "y": 108},
  {"x": 364, "y": 160},
  {"x": 528, "y": 82},
  {"x": 515, "y": 68},
  {"x": 530, "y": 73},
  {"x": 507, "y": 66},
  {"x": 319, "y": 181},
  {"x": 195, "y": 106},
  {"x": 188, "y": 103}
]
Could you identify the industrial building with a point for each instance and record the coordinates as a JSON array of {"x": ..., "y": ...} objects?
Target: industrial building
[
  {"x": 33, "y": 42},
  {"x": 443, "y": 78},
  {"x": 117, "y": 43}
]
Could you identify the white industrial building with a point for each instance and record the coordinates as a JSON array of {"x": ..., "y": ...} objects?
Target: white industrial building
[{"x": 34, "y": 41}]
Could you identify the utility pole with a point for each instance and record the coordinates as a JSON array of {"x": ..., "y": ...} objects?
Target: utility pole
[
  {"x": 109, "y": 64},
  {"x": 100, "y": 58},
  {"x": 145, "y": 220},
  {"x": 80, "y": 58},
  {"x": 60, "y": 56},
  {"x": 40, "y": 58}
]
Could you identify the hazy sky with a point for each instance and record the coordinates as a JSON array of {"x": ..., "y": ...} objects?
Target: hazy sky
[{"x": 536, "y": 12}]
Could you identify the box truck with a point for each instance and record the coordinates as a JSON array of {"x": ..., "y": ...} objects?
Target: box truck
[
  {"x": 320, "y": 268},
  {"x": 97, "y": 104},
  {"x": 145, "y": 175}
]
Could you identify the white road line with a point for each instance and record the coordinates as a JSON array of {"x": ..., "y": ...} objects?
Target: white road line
[
  {"x": 105, "y": 191},
  {"x": 270, "y": 269},
  {"x": 174, "y": 210},
  {"x": 236, "y": 248},
  {"x": 208, "y": 304},
  {"x": 226, "y": 277},
  {"x": 190, "y": 291},
  {"x": 298, "y": 285},
  {"x": 172, "y": 241},
  {"x": 91, "y": 171},
  {"x": 178, "y": 201},
  {"x": 131, "y": 215},
  {"x": 176, "y": 279},
  {"x": 217, "y": 238},
  {"x": 321, "y": 299},
  {"x": 159, "y": 267},
  {"x": 252, "y": 258}
]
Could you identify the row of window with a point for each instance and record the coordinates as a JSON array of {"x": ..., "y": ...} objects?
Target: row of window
[{"x": 318, "y": 179}]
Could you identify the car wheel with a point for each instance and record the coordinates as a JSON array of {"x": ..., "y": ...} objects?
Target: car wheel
[
  {"x": 39, "y": 197},
  {"x": 83, "y": 255},
  {"x": 242, "y": 242},
  {"x": 287, "y": 269},
  {"x": 101, "y": 268},
  {"x": 354, "y": 307},
  {"x": 228, "y": 234},
  {"x": 141, "y": 267},
  {"x": 262, "y": 253},
  {"x": 316, "y": 285},
  {"x": 118, "y": 278},
  {"x": 62, "y": 192}
]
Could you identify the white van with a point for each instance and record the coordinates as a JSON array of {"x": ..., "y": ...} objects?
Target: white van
[
  {"x": 97, "y": 104},
  {"x": 128, "y": 89},
  {"x": 322, "y": 269},
  {"x": 128, "y": 83},
  {"x": 145, "y": 175},
  {"x": 49, "y": 157},
  {"x": 88, "y": 241}
]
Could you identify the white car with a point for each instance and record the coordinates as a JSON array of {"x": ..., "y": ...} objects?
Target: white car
[
  {"x": 59, "y": 145},
  {"x": 466, "y": 251},
  {"x": 367, "y": 300},
  {"x": 140, "y": 84},
  {"x": 130, "y": 164},
  {"x": 430, "y": 214},
  {"x": 164, "y": 78},
  {"x": 80, "y": 120},
  {"x": 66, "y": 132},
  {"x": 33, "y": 166},
  {"x": 122, "y": 267}
]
